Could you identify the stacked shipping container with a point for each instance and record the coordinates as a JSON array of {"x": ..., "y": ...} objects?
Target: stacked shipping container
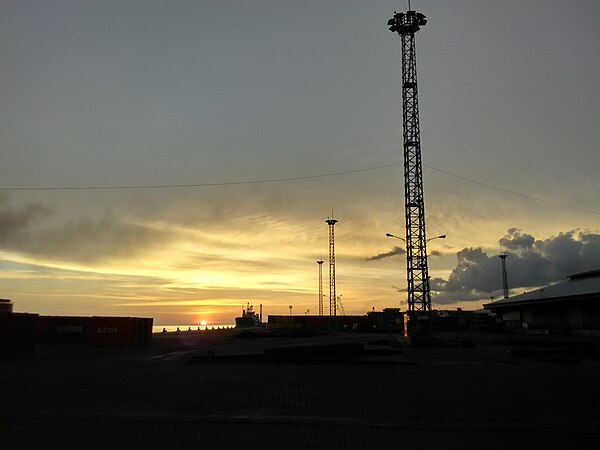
[
  {"x": 96, "y": 330},
  {"x": 17, "y": 333},
  {"x": 120, "y": 331},
  {"x": 63, "y": 329}
]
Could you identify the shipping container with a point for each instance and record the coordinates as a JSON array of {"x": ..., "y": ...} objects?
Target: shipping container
[
  {"x": 120, "y": 331},
  {"x": 64, "y": 329},
  {"x": 143, "y": 330},
  {"x": 17, "y": 334}
]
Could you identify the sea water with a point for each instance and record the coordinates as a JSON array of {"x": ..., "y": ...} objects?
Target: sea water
[{"x": 186, "y": 327}]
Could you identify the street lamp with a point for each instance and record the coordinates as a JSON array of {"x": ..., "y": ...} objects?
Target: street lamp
[
  {"x": 441, "y": 236},
  {"x": 394, "y": 236}
]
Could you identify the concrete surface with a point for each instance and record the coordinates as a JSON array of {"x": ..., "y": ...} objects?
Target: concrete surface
[{"x": 74, "y": 396}]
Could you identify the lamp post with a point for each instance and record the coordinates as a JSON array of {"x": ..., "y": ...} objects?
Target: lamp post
[
  {"x": 441, "y": 236},
  {"x": 394, "y": 236}
]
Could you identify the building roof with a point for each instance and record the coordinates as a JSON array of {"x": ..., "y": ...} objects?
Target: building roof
[{"x": 580, "y": 284}]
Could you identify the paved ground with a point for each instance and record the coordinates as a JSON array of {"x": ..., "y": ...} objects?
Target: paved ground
[{"x": 154, "y": 397}]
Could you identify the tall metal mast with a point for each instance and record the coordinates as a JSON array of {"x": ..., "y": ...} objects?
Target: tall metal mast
[
  {"x": 419, "y": 295},
  {"x": 320, "y": 263},
  {"x": 504, "y": 276},
  {"x": 332, "y": 298}
]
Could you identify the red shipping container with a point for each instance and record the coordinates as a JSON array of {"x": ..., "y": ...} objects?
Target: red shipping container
[
  {"x": 112, "y": 331},
  {"x": 63, "y": 329},
  {"x": 120, "y": 331}
]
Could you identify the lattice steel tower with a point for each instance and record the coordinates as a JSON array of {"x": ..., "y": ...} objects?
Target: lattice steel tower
[
  {"x": 332, "y": 298},
  {"x": 320, "y": 263},
  {"x": 419, "y": 296},
  {"x": 504, "y": 276}
]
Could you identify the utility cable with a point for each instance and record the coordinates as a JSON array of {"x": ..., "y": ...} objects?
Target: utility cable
[
  {"x": 512, "y": 192},
  {"x": 281, "y": 180},
  {"x": 192, "y": 185}
]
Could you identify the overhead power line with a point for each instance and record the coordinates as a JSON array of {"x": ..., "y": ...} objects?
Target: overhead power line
[
  {"x": 192, "y": 185},
  {"x": 282, "y": 180},
  {"x": 512, "y": 192}
]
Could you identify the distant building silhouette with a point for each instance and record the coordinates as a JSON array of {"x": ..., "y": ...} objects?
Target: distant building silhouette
[{"x": 572, "y": 306}]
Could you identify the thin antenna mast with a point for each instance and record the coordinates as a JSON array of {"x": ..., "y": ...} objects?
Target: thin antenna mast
[{"x": 332, "y": 298}]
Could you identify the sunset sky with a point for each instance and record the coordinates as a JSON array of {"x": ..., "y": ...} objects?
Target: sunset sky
[{"x": 215, "y": 94}]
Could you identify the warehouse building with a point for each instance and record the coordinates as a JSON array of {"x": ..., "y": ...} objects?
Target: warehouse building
[
  {"x": 569, "y": 307},
  {"x": 6, "y": 306}
]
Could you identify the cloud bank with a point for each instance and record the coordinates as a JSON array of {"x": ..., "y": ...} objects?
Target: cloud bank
[
  {"x": 531, "y": 262},
  {"x": 28, "y": 229}
]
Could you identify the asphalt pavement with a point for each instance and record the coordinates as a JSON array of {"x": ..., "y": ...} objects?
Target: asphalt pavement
[{"x": 169, "y": 395}]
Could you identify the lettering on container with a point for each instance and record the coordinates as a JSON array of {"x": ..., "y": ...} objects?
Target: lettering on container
[
  {"x": 107, "y": 330},
  {"x": 69, "y": 328}
]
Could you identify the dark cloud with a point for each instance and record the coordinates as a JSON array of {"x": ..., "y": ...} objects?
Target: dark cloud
[
  {"x": 92, "y": 240},
  {"x": 14, "y": 221},
  {"x": 530, "y": 263},
  {"x": 395, "y": 251},
  {"x": 515, "y": 240},
  {"x": 27, "y": 229}
]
